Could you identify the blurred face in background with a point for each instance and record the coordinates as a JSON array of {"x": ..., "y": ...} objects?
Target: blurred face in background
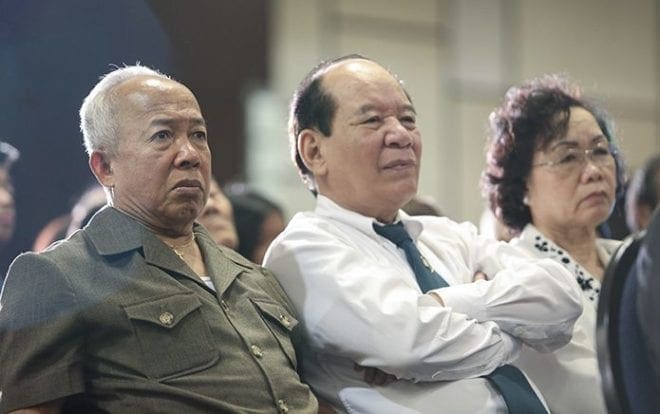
[
  {"x": 271, "y": 227},
  {"x": 7, "y": 208},
  {"x": 218, "y": 217}
]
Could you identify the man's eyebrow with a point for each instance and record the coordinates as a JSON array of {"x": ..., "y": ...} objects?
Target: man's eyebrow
[
  {"x": 410, "y": 107},
  {"x": 365, "y": 108},
  {"x": 370, "y": 107},
  {"x": 197, "y": 121}
]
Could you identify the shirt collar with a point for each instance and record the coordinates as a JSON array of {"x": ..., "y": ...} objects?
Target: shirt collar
[{"x": 325, "y": 207}]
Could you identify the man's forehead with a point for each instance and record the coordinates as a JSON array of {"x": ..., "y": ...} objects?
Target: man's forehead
[
  {"x": 360, "y": 86},
  {"x": 142, "y": 89},
  {"x": 146, "y": 82},
  {"x": 355, "y": 71},
  {"x": 152, "y": 94},
  {"x": 358, "y": 78}
]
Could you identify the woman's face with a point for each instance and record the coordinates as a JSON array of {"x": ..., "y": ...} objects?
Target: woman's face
[{"x": 569, "y": 189}]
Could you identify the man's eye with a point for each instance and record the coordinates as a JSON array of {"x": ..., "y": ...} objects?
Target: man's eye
[
  {"x": 409, "y": 121},
  {"x": 372, "y": 120},
  {"x": 161, "y": 135},
  {"x": 199, "y": 134}
]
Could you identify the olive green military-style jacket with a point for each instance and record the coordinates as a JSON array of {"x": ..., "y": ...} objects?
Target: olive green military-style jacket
[{"x": 113, "y": 321}]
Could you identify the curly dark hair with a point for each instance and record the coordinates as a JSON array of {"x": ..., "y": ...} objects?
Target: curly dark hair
[{"x": 531, "y": 116}]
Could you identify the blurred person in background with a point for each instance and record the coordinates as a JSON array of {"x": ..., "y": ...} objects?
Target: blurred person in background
[
  {"x": 55, "y": 229},
  {"x": 643, "y": 194},
  {"x": 218, "y": 217},
  {"x": 258, "y": 220},
  {"x": 552, "y": 174},
  {"x": 8, "y": 155},
  {"x": 62, "y": 226},
  {"x": 91, "y": 201}
]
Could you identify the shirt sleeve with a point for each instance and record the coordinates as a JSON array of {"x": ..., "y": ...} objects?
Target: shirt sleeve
[
  {"x": 39, "y": 346},
  {"x": 535, "y": 300},
  {"x": 355, "y": 306}
]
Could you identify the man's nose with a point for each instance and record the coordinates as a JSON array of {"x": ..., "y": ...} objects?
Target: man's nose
[
  {"x": 189, "y": 153},
  {"x": 397, "y": 134}
]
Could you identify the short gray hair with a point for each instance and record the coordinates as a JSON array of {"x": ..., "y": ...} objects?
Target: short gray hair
[{"x": 99, "y": 109}]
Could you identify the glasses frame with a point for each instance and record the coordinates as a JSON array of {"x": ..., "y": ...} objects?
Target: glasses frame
[{"x": 586, "y": 154}]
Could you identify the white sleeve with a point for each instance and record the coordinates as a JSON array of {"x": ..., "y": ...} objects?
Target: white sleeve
[
  {"x": 355, "y": 306},
  {"x": 534, "y": 300}
]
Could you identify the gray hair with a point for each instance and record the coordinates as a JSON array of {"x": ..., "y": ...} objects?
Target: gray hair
[{"x": 99, "y": 109}]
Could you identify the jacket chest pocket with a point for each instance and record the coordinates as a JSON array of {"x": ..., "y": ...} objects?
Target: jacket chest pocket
[
  {"x": 281, "y": 324},
  {"x": 173, "y": 337}
]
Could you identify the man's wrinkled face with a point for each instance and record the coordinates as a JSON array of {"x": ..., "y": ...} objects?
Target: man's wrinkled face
[
  {"x": 161, "y": 171},
  {"x": 372, "y": 157}
]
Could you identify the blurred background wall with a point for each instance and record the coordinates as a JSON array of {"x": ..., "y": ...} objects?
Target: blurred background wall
[{"x": 243, "y": 58}]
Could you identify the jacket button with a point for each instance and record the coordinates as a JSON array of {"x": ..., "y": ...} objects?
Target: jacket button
[
  {"x": 281, "y": 405},
  {"x": 256, "y": 351},
  {"x": 166, "y": 318}
]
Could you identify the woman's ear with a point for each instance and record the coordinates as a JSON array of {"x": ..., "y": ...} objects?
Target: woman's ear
[
  {"x": 310, "y": 148},
  {"x": 102, "y": 168}
]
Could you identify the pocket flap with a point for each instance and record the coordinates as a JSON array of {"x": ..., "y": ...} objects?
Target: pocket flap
[
  {"x": 166, "y": 312},
  {"x": 277, "y": 313}
]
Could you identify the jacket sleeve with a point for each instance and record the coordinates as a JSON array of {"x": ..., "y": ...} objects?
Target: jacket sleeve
[
  {"x": 40, "y": 338},
  {"x": 535, "y": 300}
]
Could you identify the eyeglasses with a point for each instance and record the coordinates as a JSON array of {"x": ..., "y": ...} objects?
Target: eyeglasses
[{"x": 566, "y": 160}]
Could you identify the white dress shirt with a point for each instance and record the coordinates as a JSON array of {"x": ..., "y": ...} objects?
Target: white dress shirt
[
  {"x": 359, "y": 302},
  {"x": 568, "y": 377}
]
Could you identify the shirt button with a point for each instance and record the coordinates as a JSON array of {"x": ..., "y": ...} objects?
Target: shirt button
[
  {"x": 281, "y": 405},
  {"x": 256, "y": 351},
  {"x": 166, "y": 318},
  {"x": 285, "y": 320}
]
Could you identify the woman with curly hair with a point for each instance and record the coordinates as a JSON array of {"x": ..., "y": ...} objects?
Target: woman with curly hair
[{"x": 552, "y": 174}]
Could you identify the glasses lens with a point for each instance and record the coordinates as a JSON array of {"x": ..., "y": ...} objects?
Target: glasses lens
[
  {"x": 569, "y": 159},
  {"x": 602, "y": 155}
]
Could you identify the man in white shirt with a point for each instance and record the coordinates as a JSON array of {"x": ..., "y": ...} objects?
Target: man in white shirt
[{"x": 355, "y": 141}]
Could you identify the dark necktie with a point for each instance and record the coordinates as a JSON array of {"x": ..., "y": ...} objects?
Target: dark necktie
[{"x": 518, "y": 395}]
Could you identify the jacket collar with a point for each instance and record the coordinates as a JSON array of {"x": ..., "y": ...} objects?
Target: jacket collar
[{"x": 113, "y": 232}]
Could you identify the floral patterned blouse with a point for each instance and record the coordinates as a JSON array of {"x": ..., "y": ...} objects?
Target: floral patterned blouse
[{"x": 534, "y": 242}]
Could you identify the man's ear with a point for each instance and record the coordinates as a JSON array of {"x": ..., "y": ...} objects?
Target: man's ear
[
  {"x": 310, "y": 148},
  {"x": 101, "y": 166}
]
